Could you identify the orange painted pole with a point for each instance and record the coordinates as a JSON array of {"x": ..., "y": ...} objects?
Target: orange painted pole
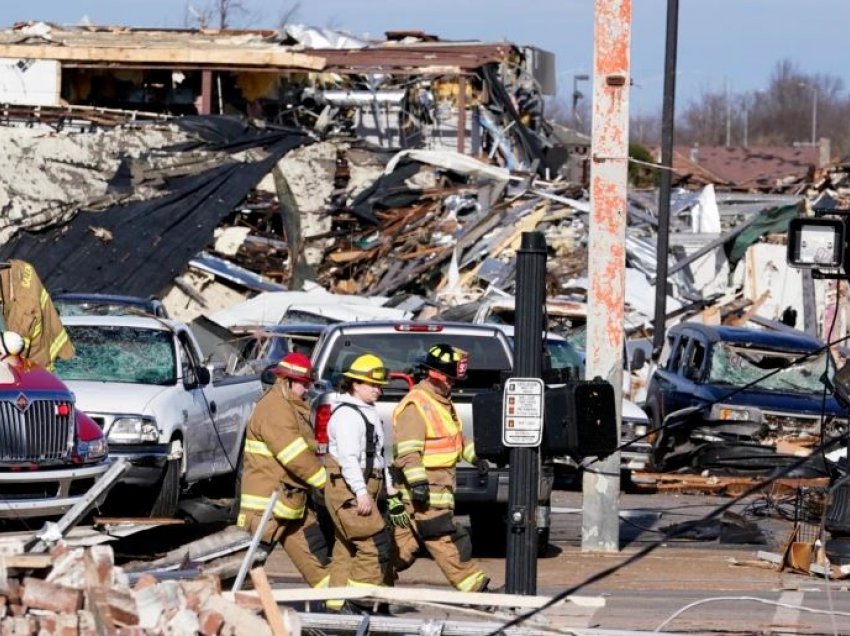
[{"x": 607, "y": 253}]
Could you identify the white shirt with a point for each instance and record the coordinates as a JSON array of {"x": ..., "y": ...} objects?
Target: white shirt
[{"x": 347, "y": 440}]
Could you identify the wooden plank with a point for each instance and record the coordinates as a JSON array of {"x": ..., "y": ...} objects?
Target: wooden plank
[
  {"x": 423, "y": 595},
  {"x": 138, "y": 521},
  {"x": 347, "y": 256},
  {"x": 730, "y": 486},
  {"x": 27, "y": 561},
  {"x": 270, "y": 608},
  {"x": 267, "y": 58},
  {"x": 528, "y": 223}
]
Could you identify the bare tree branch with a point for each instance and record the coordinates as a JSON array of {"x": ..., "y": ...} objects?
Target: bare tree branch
[{"x": 287, "y": 14}]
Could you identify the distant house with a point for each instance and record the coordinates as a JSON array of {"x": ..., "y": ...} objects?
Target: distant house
[
  {"x": 763, "y": 169},
  {"x": 576, "y": 167}
]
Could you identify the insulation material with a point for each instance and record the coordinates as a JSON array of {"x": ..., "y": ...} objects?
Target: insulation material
[
  {"x": 197, "y": 294},
  {"x": 766, "y": 271},
  {"x": 229, "y": 240},
  {"x": 309, "y": 174},
  {"x": 45, "y": 177},
  {"x": 30, "y": 82}
]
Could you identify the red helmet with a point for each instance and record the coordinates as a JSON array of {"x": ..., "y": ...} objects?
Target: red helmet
[{"x": 295, "y": 366}]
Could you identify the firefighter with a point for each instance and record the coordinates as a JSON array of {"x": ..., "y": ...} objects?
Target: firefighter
[
  {"x": 428, "y": 443},
  {"x": 280, "y": 454},
  {"x": 28, "y": 310},
  {"x": 362, "y": 553}
]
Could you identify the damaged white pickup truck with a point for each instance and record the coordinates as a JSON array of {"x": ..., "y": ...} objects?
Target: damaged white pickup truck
[{"x": 142, "y": 379}]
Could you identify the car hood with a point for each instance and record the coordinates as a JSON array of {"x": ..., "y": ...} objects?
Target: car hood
[
  {"x": 775, "y": 401},
  {"x": 633, "y": 412},
  {"x": 19, "y": 373},
  {"x": 114, "y": 397}
]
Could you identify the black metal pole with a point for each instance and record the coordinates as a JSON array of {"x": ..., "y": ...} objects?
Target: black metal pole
[
  {"x": 667, "y": 130},
  {"x": 523, "y": 486}
]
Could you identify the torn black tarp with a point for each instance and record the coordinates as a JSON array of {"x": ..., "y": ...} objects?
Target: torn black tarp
[
  {"x": 229, "y": 134},
  {"x": 138, "y": 248},
  {"x": 388, "y": 191}
]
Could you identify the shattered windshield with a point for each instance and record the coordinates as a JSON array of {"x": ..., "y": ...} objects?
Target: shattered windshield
[
  {"x": 562, "y": 355},
  {"x": 737, "y": 365},
  {"x": 119, "y": 354},
  {"x": 67, "y": 307}
]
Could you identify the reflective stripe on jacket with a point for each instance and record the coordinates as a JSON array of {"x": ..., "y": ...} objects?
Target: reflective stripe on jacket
[
  {"x": 443, "y": 443},
  {"x": 280, "y": 510},
  {"x": 288, "y": 455},
  {"x": 29, "y": 311},
  {"x": 280, "y": 455}
]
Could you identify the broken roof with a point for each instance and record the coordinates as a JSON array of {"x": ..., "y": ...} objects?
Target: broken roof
[{"x": 121, "y": 46}]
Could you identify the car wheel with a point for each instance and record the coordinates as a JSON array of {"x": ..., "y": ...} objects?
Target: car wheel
[{"x": 166, "y": 499}]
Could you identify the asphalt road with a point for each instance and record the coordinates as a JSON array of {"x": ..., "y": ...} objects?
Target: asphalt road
[{"x": 643, "y": 593}]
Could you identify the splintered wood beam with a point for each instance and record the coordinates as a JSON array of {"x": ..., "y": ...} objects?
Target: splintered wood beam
[
  {"x": 270, "y": 608},
  {"x": 266, "y": 58}
]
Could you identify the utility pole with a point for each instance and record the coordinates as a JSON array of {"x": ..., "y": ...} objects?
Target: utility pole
[
  {"x": 667, "y": 128},
  {"x": 728, "y": 116},
  {"x": 607, "y": 254}
]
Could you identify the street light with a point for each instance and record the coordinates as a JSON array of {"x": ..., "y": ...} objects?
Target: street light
[
  {"x": 747, "y": 105},
  {"x": 583, "y": 77}
]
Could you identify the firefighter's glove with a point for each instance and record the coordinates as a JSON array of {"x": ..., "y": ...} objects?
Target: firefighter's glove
[
  {"x": 318, "y": 495},
  {"x": 397, "y": 514},
  {"x": 419, "y": 494}
]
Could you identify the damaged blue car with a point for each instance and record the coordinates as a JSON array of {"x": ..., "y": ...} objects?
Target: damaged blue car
[{"x": 740, "y": 400}]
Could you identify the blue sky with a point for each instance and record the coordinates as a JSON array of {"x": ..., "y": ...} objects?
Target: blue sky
[{"x": 739, "y": 41}]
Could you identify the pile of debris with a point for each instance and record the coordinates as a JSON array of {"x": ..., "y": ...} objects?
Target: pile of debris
[
  {"x": 84, "y": 592},
  {"x": 403, "y": 182}
]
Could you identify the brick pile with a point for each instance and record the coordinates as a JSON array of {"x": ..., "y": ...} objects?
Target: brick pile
[{"x": 84, "y": 593}]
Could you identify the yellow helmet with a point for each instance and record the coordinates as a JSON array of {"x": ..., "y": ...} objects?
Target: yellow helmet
[{"x": 367, "y": 368}]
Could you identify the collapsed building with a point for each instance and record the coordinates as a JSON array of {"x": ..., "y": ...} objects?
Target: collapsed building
[{"x": 210, "y": 166}]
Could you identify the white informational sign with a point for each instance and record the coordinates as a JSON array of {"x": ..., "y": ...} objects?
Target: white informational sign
[
  {"x": 30, "y": 82},
  {"x": 818, "y": 245},
  {"x": 522, "y": 412}
]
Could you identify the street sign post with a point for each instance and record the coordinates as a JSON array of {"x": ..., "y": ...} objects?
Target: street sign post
[
  {"x": 527, "y": 418},
  {"x": 522, "y": 412}
]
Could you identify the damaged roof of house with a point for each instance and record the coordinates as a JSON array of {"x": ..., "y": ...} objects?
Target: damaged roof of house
[{"x": 761, "y": 167}]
